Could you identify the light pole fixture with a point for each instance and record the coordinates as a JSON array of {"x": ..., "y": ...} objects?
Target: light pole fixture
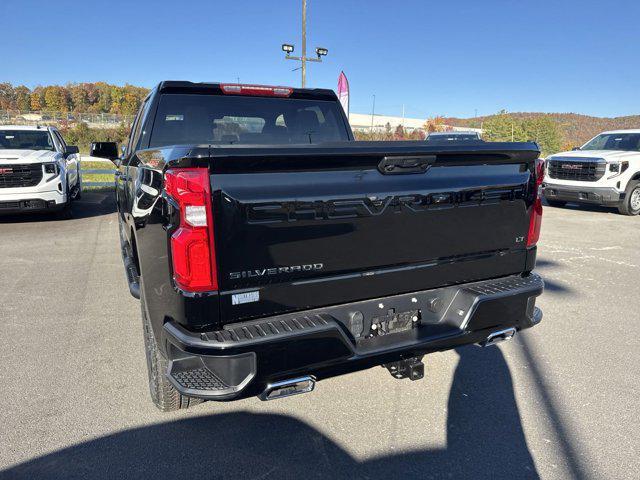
[{"x": 288, "y": 48}]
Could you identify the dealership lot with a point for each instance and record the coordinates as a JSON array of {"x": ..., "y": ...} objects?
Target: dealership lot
[{"x": 559, "y": 401}]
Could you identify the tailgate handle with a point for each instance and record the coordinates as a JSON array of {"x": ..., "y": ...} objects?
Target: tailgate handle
[{"x": 408, "y": 164}]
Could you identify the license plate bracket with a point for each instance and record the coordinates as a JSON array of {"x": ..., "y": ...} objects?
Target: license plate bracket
[{"x": 394, "y": 322}]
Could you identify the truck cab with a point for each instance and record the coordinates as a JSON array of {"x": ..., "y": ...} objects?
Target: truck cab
[
  {"x": 604, "y": 171},
  {"x": 38, "y": 170}
]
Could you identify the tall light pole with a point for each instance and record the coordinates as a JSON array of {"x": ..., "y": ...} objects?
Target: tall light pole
[
  {"x": 288, "y": 48},
  {"x": 373, "y": 112}
]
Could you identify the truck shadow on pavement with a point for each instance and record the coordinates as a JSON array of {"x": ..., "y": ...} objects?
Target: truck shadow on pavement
[{"x": 485, "y": 439}]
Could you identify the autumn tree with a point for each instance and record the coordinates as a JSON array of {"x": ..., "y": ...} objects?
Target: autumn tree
[
  {"x": 79, "y": 97},
  {"x": 435, "y": 124},
  {"x": 36, "y": 99},
  {"x": 23, "y": 100},
  {"x": 7, "y": 96},
  {"x": 56, "y": 99}
]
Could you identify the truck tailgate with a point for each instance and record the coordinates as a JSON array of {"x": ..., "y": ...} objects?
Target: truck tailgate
[{"x": 298, "y": 228}]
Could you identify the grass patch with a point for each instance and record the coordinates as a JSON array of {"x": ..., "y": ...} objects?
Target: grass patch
[
  {"x": 98, "y": 189},
  {"x": 97, "y": 177},
  {"x": 93, "y": 165}
]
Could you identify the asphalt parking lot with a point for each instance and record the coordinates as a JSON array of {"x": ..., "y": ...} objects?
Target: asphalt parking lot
[{"x": 559, "y": 401}]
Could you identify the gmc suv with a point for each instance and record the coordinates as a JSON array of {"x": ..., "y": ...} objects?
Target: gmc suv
[{"x": 604, "y": 171}]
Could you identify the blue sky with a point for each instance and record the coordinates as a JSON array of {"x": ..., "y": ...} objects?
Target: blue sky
[{"x": 435, "y": 57}]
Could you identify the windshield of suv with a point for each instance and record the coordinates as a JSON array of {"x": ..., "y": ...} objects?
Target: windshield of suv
[
  {"x": 220, "y": 119},
  {"x": 26, "y": 140},
  {"x": 615, "y": 141}
]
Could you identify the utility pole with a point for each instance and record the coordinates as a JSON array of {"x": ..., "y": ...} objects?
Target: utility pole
[
  {"x": 373, "y": 112},
  {"x": 303, "y": 59},
  {"x": 288, "y": 48}
]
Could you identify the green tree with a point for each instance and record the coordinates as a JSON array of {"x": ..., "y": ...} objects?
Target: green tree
[
  {"x": 103, "y": 103},
  {"x": 545, "y": 132},
  {"x": 503, "y": 128}
]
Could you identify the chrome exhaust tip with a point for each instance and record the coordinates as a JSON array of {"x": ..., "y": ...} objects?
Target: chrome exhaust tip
[
  {"x": 287, "y": 388},
  {"x": 499, "y": 336}
]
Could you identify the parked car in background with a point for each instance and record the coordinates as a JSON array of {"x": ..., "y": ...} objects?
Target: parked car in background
[
  {"x": 38, "y": 170},
  {"x": 604, "y": 171},
  {"x": 457, "y": 136},
  {"x": 270, "y": 250}
]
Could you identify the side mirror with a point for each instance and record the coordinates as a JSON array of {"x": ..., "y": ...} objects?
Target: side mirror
[
  {"x": 70, "y": 150},
  {"x": 575, "y": 148},
  {"x": 108, "y": 150}
]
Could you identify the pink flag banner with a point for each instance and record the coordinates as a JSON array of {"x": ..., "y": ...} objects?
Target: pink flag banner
[{"x": 343, "y": 92}]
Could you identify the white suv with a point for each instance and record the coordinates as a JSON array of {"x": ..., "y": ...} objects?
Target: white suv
[
  {"x": 38, "y": 171},
  {"x": 604, "y": 171}
]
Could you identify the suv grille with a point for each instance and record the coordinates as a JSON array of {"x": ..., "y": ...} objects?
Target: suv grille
[
  {"x": 14, "y": 176},
  {"x": 580, "y": 169}
]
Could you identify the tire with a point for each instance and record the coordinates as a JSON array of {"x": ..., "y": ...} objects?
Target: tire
[
  {"x": 79, "y": 189},
  {"x": 163, "y": 393},
  {"x": 631, "y": 203},
  {"x": 556, "y": 203},
  {"x": 65, "y": 213}
]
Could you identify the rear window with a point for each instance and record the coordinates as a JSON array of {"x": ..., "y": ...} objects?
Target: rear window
[{"x": 221, "y": 119}]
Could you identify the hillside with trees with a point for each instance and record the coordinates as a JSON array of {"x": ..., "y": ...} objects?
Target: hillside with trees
[
  {"x": 96, "y": 97},
  {"x": 72, "y": 98},
  {"x": 574, "y": 129},
  {"x": 553, "y": 131}
]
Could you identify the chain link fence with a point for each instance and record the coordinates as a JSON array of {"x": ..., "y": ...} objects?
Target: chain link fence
[{"x": 93, "y": 120}]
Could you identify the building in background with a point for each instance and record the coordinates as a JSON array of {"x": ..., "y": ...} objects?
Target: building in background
[{"x": 363, "y": 122}]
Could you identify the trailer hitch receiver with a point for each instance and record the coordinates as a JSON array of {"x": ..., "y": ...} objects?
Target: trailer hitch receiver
[{"x": 411, "y": 368}]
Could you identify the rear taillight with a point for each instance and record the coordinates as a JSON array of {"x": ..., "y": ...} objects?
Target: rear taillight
[
  {"x": 535, "y": 222},
  {"x": 255, "y": 90},
  {"x": 192, "y": 244}
]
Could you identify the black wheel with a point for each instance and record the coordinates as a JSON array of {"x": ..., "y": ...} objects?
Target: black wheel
[
  {"x": 556, "y": 203},
  {"x": 163, "y": 393},
  {"x": 631, "y": 203}
]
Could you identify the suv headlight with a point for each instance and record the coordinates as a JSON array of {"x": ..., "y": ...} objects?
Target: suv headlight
[
  {"x": 51, "y": 171},
  {"x": 617, "y": 168},
  {"x": 50, "y": 168}
]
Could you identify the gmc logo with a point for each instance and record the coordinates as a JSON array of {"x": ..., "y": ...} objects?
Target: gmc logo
[
  {"x": 568, "y": 166},
  {"x": 5, "y": 170}
]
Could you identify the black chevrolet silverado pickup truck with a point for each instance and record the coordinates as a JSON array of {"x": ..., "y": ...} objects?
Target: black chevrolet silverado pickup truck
[{"x": 270, "y": 250}]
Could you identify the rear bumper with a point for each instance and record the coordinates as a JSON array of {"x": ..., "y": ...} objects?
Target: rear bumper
[
  {"x": 607, "y": 196},
  {"x": 243, "y": 358}
]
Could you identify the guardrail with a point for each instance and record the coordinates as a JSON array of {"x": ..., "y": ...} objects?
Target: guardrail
[{"x": 99, "y": 172}]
